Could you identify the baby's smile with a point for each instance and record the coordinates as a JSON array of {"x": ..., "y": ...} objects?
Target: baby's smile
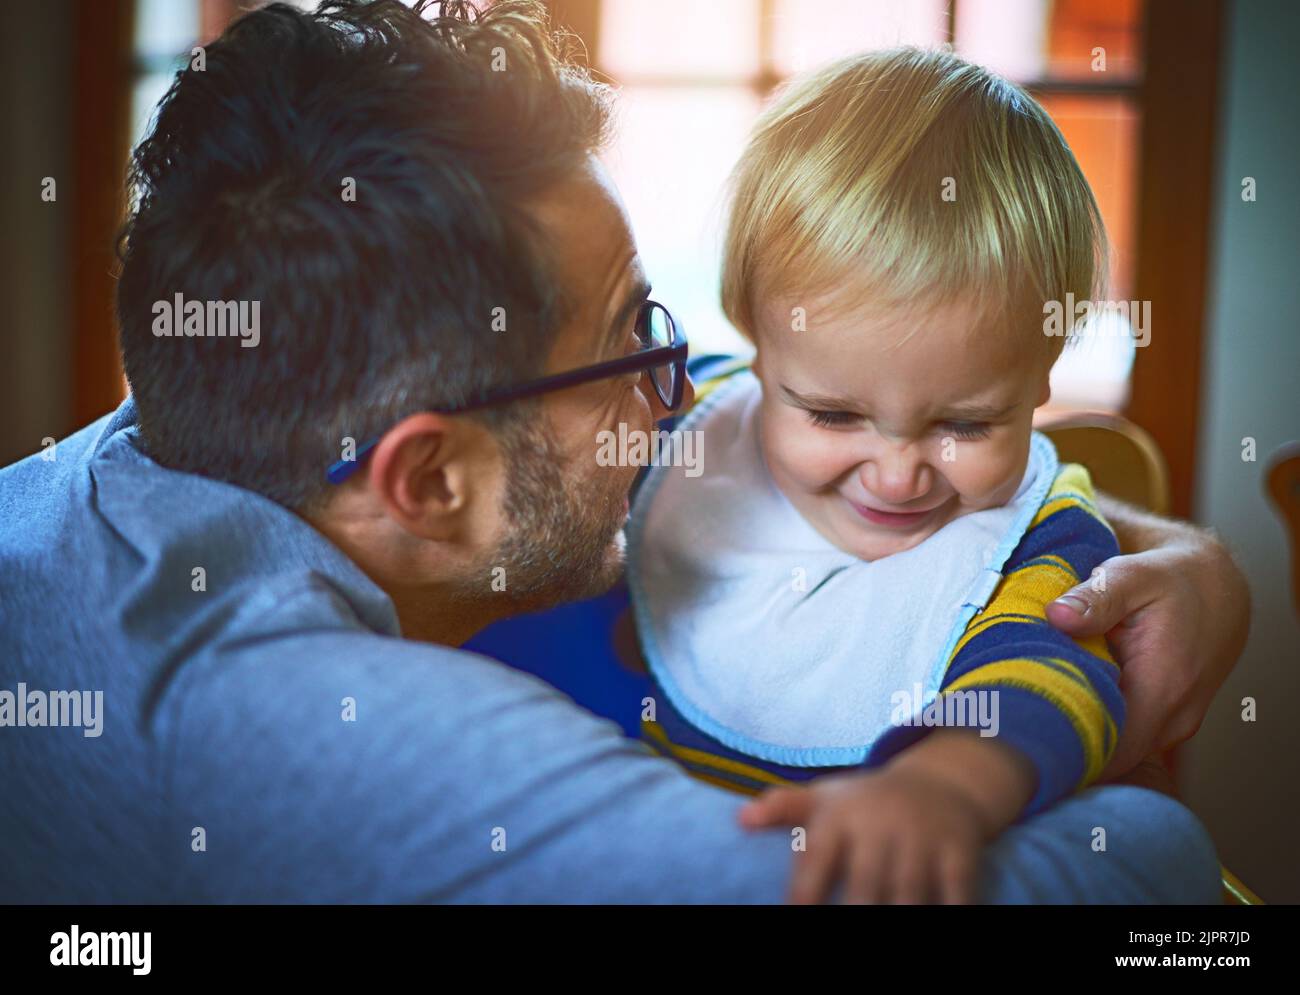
[{"x": 903, "y": 521}]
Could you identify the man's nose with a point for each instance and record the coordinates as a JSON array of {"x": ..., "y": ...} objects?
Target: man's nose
[{"x": 895, "y": 474}]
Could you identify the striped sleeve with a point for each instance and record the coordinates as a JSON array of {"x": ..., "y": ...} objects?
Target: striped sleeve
[{"x": 1058, "y": 698}]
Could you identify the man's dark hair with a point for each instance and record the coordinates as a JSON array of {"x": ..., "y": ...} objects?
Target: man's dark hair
[{"x": 446, "y": 120}]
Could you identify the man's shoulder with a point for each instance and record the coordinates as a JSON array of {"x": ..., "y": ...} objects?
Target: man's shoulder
[
  {"x": 310, "y": 641},
  {"x": 40, "y": 482},
  {"x": 354, "y": 702}
]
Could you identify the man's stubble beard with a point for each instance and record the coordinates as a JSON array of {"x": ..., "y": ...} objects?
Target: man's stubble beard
[{"x": 562, "y": 545}]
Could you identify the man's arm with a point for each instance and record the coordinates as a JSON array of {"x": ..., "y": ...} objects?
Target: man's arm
[
  {"x": 1175, "y": 609},
  {"x": 462, "y": 781},
  {"x": 456, "y": 779}
]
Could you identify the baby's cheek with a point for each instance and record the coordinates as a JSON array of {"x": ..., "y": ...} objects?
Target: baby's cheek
[
  {"x": 792, "y": 452},
  {"x": 989, "y": 478},
  {"x": 816, "y": 459}
]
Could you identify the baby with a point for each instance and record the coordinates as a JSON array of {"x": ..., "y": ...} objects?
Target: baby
[{"x": 858, "y": 580}]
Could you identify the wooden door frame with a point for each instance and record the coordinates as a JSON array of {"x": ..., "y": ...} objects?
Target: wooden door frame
[
  {"x": 1183, "y": 42},
  {"x": 100, "y": 114}
]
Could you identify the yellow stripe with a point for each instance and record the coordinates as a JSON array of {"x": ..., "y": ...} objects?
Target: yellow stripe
[
  {"x": 719, "y": 782},
  {"x": 1027, "y": 590},
  {"x": 654, "y": 731}
]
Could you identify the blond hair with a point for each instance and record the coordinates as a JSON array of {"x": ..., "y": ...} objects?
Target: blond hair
[{"x": 841, "y": 191}]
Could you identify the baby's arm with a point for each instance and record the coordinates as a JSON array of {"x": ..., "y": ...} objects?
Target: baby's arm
[
  {"x": 997, "y": 781},
  {"x": 1058, "y": 699}
]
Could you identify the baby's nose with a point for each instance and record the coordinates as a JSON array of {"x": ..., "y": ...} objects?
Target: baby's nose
[{"x": 896, "y": 477}]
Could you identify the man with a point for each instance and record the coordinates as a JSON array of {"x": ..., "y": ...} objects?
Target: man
[{"x": 415, "y": 209}]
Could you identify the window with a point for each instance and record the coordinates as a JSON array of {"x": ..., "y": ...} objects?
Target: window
[{"x": 165, "y": 33}]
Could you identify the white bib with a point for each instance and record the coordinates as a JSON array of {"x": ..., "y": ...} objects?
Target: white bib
[{"x": 770, "y": 639}]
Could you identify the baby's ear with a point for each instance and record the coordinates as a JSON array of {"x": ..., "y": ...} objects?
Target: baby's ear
[{"x": 1044, "y": 384}]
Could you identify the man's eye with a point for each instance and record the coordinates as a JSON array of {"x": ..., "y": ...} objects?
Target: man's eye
[
  {"x": 967, "y": 430},
  {"x": 636, "y": 344},
  {"x": 833, "y": 419},
  {"x": 633, "y": 379}
]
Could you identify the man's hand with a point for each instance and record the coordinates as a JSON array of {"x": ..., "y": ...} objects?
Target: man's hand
[{"x": 1175, "y": 611}]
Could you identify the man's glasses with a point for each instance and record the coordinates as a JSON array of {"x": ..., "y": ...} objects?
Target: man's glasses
[{"x": 662, "y": 355}]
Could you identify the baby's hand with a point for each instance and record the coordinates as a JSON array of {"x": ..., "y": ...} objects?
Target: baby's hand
[{"x": 899, "y": 835}]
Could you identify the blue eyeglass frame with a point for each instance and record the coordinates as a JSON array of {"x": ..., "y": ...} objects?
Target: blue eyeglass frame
[{"x": 675, "y": 353}]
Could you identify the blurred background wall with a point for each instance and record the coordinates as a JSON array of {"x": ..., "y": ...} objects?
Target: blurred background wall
[
  {"x": 35, "y": 338},
  {"x": 1243, "y": 778}
]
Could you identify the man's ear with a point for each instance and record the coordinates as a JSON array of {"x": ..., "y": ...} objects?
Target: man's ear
[{"x": 424, "y": 471}]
